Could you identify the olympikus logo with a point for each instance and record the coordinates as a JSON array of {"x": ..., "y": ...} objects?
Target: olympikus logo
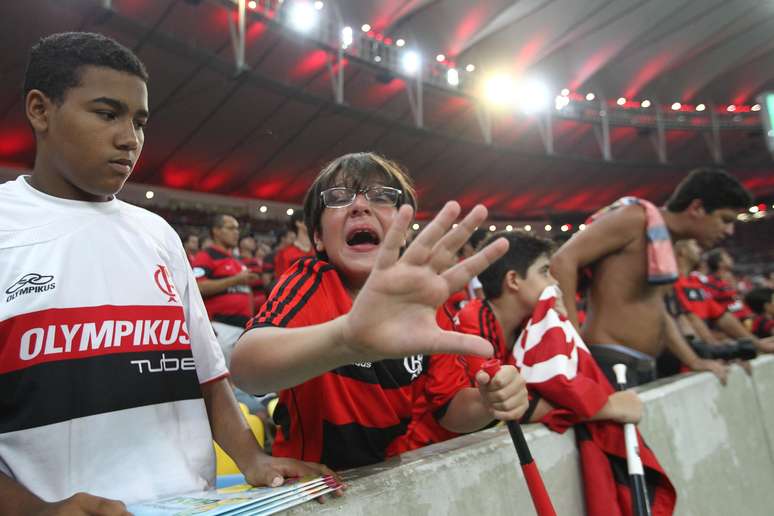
[
  {"x": 91, "y": 336},
  {"x": 29, "y": 284}
]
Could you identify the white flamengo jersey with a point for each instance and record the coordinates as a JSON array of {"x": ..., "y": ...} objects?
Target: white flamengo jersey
[{"x": 104, "y": 342}]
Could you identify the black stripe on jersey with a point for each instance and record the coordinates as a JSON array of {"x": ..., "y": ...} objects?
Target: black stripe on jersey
[
  {"x": 274, "y": 302},
  {"x": 353, "y": 445},
  {"x": 301, "y": 302},
  {"x": 389, "y": 373},
  {"x": 59, "y": 391},
  {"x": 215, "y": 254}
]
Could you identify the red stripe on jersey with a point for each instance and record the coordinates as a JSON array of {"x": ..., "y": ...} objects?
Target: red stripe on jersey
[{"x": 72, "y": 333}]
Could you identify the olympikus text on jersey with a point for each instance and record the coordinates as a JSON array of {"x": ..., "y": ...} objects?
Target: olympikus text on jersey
[{"x": 104, "y": 343}]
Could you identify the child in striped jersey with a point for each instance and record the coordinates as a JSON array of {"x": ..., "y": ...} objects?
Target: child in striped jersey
[{"x": 346, "y": 336}]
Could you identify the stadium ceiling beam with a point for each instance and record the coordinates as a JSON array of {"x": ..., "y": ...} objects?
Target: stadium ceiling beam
[
  {"x": 337, "y": 76},
  {"x": 602, "y": 132},
  {"x": 237, "y": 32},
  {"x": 415, "y": 99},
  {"x": 713, "y": 138},
  {"x": 545, "y": 126},
  {"x": 659, "y": 139},
  {"x": 484, "y": 118}
]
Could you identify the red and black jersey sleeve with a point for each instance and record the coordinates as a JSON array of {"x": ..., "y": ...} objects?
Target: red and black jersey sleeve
[
  {"x": 693, "y": 298},
  {"x": 203, "y": 265},
  {"x": 292, "y": 292}
]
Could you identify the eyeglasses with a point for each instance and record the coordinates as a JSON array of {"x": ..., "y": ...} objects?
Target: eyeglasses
[{"x": 341, "y": 197}]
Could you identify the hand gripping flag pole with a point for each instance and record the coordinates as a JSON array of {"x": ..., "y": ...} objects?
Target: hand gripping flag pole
[
  {"x": 640, "y": 504},
  {"x": 537, "y": 489}
]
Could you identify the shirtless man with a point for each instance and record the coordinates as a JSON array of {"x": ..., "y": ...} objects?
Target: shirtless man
[{"x": 624, "y": 308}]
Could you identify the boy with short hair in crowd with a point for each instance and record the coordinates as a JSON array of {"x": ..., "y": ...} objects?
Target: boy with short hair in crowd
[
  {"x": 523, "y": 305},
  {"x": 761, "y": 302},
  {"x": 344, "y": 408}
]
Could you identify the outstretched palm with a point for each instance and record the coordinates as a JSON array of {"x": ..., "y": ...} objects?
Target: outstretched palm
[{"x": 394, "y": 313}]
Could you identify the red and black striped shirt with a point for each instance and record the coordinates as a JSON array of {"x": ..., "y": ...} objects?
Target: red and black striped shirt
[{"x": 348, "y": 416}]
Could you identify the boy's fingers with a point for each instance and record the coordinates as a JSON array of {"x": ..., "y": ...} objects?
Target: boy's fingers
[
  {"x": 461, "y": 344},
  {"x": 393, "y": 240},
  {"x": 459, "y": 275},
  {"x": 445, "y": 251},
  {"x": 421, "y": 248}
]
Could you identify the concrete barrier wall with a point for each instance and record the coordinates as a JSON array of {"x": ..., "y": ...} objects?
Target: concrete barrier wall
[{"x": 715, "y": 443}]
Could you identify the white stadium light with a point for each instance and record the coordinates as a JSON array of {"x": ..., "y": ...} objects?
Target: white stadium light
[
  {"x": 319, "y": 5},
  {"x": 411, "y": 62},
  {"x": 508, "y": 228},
  {"x": 252, "y": 4},
  {"x": 590, "y": 96},
  {"x": 470, "y": 67},
  {"x": 378, "y": 59},
  {"x": 346, "y": 37},
  {"x": 263, "y": 209},
  {"x": 731, "y": 108},
  {"x": 527, "y": 228},
  {"x": 415, "y": 227},
  {"x": 498, "y": 90},
  {"x": 365, "y": 27},
  {"x": 753, "y": 209},
  {"x": 756, "y": 107},
  {"x": 565, "y": 92},
  {"x": 532, "y": 96},
  {"x": 676, "y": 106},
  {"x": 548, "y": 227},
  {"x": 440, "y": 58},
  {"x": 452, "y": 77},
  {"x": 621, "y": 101},
  {"x": 561, "y": 101},
  {"x": 400, "y": 42},
  {"x": 701, "y": 107},
  {"x": 645, "y": 103},
  {"x": 290, "y": 211},
  {"x": 303, "y": 16},
  {"x": 149, "y": 194},
  {"x": 493, "y": 228},
  {"x": 582, "y": 227}
]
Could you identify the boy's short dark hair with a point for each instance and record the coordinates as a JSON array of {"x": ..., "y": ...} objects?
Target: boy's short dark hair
[
  {"x": 757, "y": 299},
  {"x": 355, "y": 170},
  {"x": 55, "y": 62},
  {"x": 523, "y": 249},
  {"x": 714, "y": 257},
  {"x": 715, "y": 189}
]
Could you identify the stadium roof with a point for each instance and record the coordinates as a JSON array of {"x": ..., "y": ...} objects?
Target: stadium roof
[{"x": 265, "y": 132}]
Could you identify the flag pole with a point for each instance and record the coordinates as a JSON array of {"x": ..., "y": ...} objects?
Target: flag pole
[
  {"x": 640, "y": 504},
  {"x": 537, "y": 488}
]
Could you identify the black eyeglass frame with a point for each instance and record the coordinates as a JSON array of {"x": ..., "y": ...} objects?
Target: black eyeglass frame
[{"x": 364, "y": 191}]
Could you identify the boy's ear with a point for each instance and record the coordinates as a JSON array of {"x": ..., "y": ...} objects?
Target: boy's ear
[
  {"x": 512, "y": 281},
  {"x": 38, "y": 109},
  {"x": 318, "y": 244},
  {"x": 696, "y": 207}
]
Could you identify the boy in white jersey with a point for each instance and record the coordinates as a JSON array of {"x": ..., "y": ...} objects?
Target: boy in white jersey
[{"x": 111, "y": 380}]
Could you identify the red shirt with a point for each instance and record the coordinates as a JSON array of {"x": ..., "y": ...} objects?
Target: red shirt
[
  {"x": 232, "y": 306},
  {"x": 693, "y": 297},
  {"x": 287, "y": 256},
  {"x": 259, "y": 295},
  {"x": 762, "y": 326},
  {"x": 726, "y": 295},
  {"x": 348, "y": 416}
]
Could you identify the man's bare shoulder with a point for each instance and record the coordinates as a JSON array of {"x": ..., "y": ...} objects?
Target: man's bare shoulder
[{"x": 627, "y": 218}]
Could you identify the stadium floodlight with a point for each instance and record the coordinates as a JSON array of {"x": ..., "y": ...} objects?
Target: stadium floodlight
[
  {"x": 547, "y": 227},
  {"x": 263, "y": 209},
  {"x": 731, "y": 108},
  {"x": 453, "y": 77},
  {"x": 319, "y": 5},
  {"x": 508, "y": 228},
  {"x": 415, "y": 227},
  {"x": 756, "y": 107},
  {"x": 365, "y": 27},
  {"x": 532, "y": 96},
  {"x": 377, "y": 59},
  {"x": 676, "y": 106},
  {"x": 411, "y": 62},
  {"x": 561, "y": 101},
  {"x": 400, "y": 42},
  {"x": 470, "y": 67},
  {"x": 440, "y": 58},
  {"x": 590, "y": 96},
  {"x": 346, "y": 37},
  {"x": 701, "y": 107},
  {"x": 621, "y": 101},
  {"x": 565, "y": 92},
  {"x": 149, "y": 194},
  {"x": 498, "y": 90},
  {"x": 645, "y": 103},
  {"x": 581, "y": 227},
  {"x": 252, "y": 4},
  {"x": 290, "y": 211},
  {"x": 492, "y": 228},
  {"x": 565, "y": 228},
  {"x": 303, "y": 16},
  {"x": 528, "y": 228}
]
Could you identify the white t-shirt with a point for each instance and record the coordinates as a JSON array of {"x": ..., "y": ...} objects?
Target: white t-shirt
[{"x": 104, "y": 342}]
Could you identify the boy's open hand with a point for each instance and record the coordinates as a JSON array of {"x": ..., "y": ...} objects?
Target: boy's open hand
[{"x": 394, "y": 314}]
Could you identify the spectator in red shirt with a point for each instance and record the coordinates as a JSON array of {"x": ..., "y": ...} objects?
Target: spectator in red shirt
[
  {"x": 761, "y": 301},
  {"x": 248, "y": 255},
  {"x": 299, "y": 248},
  {"x": 223, "y": 282},
  {"x": 345, "y": 335},
  {"x": 722, "y": 284},
  {"x": 698, "y": 306}
]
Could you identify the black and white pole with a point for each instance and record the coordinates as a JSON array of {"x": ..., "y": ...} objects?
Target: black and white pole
[{"x": 640, "y": 504}]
